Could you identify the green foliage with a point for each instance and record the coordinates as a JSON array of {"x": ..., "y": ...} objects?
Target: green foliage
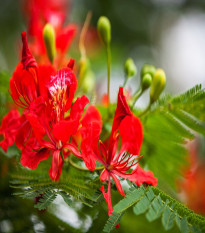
[
  {"x": 131, "y": 197},
  {"x": 37, "y": 183},
  {"x": 4, "y": 94},
  {"x": 46, "y": 199},
  {"x": 171, "y": 122},
  {"x": 154, "y": 204},
  {"x": 113, "y": 221},
  {"x": 66, "y": 198}
]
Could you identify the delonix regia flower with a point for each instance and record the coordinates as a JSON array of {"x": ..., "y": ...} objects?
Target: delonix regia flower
[
  {"x": 116, "y": 162},
  {"x": 43, "y": 130}
]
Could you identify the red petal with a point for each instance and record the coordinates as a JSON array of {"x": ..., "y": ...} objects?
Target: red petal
[
  {"x": 107, "y": 196},
  {"x": 73, "y": 149},
  {"x": 27, "y": 58},
  {"x": 91, "y": 115},
  {"x": 71, "y": 64},
  {"x": 140, "y": 176},
  {"x": 78, "y": 107},
  {"x": 23, "y": 133},
  {"x": 65, "y": 37},
  {"x": 9, "y": 128},
  {"x": 56, "y": 168},
  {"x": 64, "y": 129},
  {"x": 104, "y": 175},
  {"x": 88, "y": 155},
  {"x": 118, "y": 185},
  {"x": 90, "y": 131},
  {"x": 23, "y": 86},
  {"x": 131, "y": 134},
  {"x": 33, "y": 154},
  {"x": 35, "y": 117},
  {"x": 89, "y": 145},
  {"x": 44, "y": 75},
  {"x": 121, "y": 112}
]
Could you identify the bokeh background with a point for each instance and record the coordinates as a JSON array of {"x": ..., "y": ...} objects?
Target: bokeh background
[{"x": 166, "y": 33}]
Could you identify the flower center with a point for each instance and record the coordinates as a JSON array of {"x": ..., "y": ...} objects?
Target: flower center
[{"x": 57, "y": 89}]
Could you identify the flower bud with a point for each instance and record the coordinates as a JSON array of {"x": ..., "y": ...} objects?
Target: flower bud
[
  {"x": 158, "y": 85},
  {"x": 150, "y": 69},
  {"x": 146, "y": 81},
  {"x": 49, "y": 40},
  {"x": 104, "y": 29},
  {"x": 130, "y": 68}
]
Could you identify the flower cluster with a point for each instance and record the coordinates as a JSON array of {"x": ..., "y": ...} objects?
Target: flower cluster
[{"x": 47, "y": 121}]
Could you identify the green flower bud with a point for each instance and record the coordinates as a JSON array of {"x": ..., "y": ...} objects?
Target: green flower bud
[
  {"x": 150, "y": 69},
  {"x": 104, "y": 29},
  {"x": 130, "y": 68},
  {"x": 49, "y": 40},
  {"x": 146, "y": 81},
  {"x": 158, "y": 85},
  {"x": 88, "y": 82}
]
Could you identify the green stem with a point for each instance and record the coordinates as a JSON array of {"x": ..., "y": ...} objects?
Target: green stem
[
  {"x": 137, "y": 94},
  {"x": 61, "y": 154},
  {"x": 108, "y": 73},
  {"x": 125, "y": 82},
  {"x": 81, "y": 168},
  {"x": 145, "y": 111}
]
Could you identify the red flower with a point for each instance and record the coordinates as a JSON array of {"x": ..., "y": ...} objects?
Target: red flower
[
  {"x": 52, "y": 130},
  {"x": 129, "y": 128},
  {"x": 45, "y": 95}
]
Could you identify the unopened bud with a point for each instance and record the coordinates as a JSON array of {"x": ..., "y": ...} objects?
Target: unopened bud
[
  {"x": 104, "y": 29},
  {"x": 130, "y": 68},
  {"x": 158, "y": 85},
  {"x": 146, "y": 81},
  {"x": 148, "y": 69},
  {"x": 49, "y": 40}
]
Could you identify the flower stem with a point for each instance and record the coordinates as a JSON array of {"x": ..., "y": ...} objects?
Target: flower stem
[
  {"x": 145, "y": 111},
  {"x": 81, "y": 168},
  {"x": 61, "y": 154},
  {"x": 125, "y": 82},
  {"x": 136, "y": 96},
  {"x": 108, "y": 73}
]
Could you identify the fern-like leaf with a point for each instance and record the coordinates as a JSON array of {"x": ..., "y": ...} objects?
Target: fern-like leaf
[
  {"x": 33, "y": 183},
  {"x": 156, "y": 204},
  {"x": 173, "y": 120},
  {"x": 132, "y": 196},
  {"x": 113, "y": 221},
  {"x": 66, "y": 198},
  {"x": 46, "y": 199}
]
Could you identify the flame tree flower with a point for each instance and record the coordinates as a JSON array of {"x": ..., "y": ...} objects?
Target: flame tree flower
[
  {"x": 51, "y": 128},
  {"x": 45, "y": 95},
  {"x": 116, "y": 163}
]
